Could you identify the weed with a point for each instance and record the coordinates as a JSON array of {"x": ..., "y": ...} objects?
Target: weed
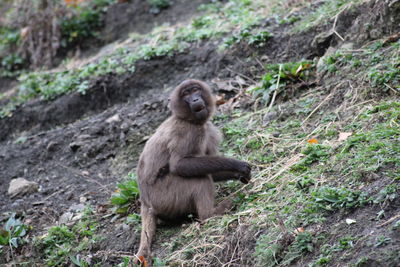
[
  {"x": 12, "y": 233},
  {"x": 63, "y": 244},
  {"x": 268, "y": 250},
  {"x": 285, "y": 73},
  {"x": 158, "y": 5},
  {"x": 313, "y": 153},
  {"x": 256, "y": 38},
  {"x": 83, "y": 22},
  {"x": 331, "y": 198},
  {"x": 322, "y": 14},
  {"x": 388, "y": 193},
  {"x": 322, "y": 261},
  {"x": 127, "y": 192},
  {"x": 302, "y": 245},
  {"x": 382, "y": 241}
]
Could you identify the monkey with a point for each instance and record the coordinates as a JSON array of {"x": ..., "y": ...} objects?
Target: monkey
[{"x": 180, "y": 163}]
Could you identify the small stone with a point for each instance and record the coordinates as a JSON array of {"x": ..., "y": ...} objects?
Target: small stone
[
  {"x": 21, "y": 186},
  {"x": 77, "y": 207},
  {"x": 65, "y": 217},
  {"x": 114, "y": 118},
  {"x": 82, "y": 199},
  {"x": 85, "y": 173},
  {"x": 350, "y": 221}
]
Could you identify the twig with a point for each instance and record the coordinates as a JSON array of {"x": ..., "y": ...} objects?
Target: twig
[
  {"x": 276, "y": 88},
  {"x": 241, "y": 74},
  {"x": 334, "y": 26},
  {"x": 56, "y": 193},
  {"x": 320, "y": 104},
  {"x": 335, "y": 21},
  {"x": 87, "y": 178},
  {"x": 391, "y": 88},
  {"x": 390, "y": 220}
]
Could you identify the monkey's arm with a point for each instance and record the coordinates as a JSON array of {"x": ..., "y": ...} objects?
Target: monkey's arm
[
  {"x": 202, "y": 166},
  {"x": 225, "y": 176}
]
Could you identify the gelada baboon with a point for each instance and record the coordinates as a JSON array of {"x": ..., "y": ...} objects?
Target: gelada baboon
[{"x": 179, "y": 163}]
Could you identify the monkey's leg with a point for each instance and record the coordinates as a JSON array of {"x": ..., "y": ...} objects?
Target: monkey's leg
[
  {"x": 204, "y": 202},
  {"x": 148, "y": 230}
]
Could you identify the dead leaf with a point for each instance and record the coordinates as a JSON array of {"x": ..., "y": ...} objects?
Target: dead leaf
[
  {"x": 143, "y": 261},
  {"x": 300, "y": 68},
  {"x": 220, "y": 99},
  {"x": 343, "y": 136},
  {"x": 299, "y": 230},
  {"x": 240, "y": 80},
  {"x": 313, "y": 141},
  {"x": 225, "y": 85},
  {"x": 392, "y": 38},
  {"x": 24, "y": 32}
]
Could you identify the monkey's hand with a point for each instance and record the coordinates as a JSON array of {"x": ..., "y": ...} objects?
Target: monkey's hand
[{"x": 244, "y": 172}]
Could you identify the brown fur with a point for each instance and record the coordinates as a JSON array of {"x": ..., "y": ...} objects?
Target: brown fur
[{"x": 179, "y": 165}]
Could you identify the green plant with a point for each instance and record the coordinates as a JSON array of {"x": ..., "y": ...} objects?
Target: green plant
[
  {"x": 78, "y": 261},
  {"x": 63, "y": 244},
  {"x": 12, "y": 233},
  {"x": 83, "y": 21},
  {"x": 278, "y": 76},
  {"x": 388, "y": 193},
  {"x": 158, "y": 5},
  {"x": 127, "y": 192},
  {"x": 268, "y": 250},
  {"x": 382, "y": 241},
  {"x": 331, "y": 198},
  {"x": 313, "y": 153},
  {"x": 302, "y": 245}
]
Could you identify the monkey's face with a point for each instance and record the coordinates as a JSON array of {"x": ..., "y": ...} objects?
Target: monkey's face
[
  {"x": 192, "y": 101},
  {"x": 192, "y": 96}
]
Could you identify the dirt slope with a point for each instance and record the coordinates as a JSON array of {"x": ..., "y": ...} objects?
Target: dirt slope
[{"x": 77, "y": 146}]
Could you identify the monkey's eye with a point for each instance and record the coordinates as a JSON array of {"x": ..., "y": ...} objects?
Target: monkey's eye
[{"x": 185, "y": 93}]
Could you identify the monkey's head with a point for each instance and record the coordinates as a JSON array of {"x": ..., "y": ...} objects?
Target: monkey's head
[{"x": 192, "y": 101}]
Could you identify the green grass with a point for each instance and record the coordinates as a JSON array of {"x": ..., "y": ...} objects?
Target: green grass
[
  {"x": 63, "y": 244},
  {"x": 323, "y": 14}
]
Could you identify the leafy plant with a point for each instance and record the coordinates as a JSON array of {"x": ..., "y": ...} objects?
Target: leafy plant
[
  {"x": 158, "y": 5},
  {"x": 285, "y": 73},
  {"x": 127, "y": 192},
  {"x": 332, "y": 198},
  {"x": 12, "y": 233},
  {"x": 83, "y": 21},
  {"x": 313, "y": 153},
  {"x": 63, "y": 244},
  {"x": 302, "y": 245}
]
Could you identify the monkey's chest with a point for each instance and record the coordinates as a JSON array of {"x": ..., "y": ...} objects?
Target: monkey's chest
[{"x": 198, "y": 144}]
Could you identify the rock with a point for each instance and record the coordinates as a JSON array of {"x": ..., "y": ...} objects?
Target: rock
[
  {"x": 270, "y": 116},
  {"x": 82, "y": 199},
  {"x": 77, "y": 207},
  {"x": 114, "y": 118},
  {"x": 322, "y": 41},
  {"x": 347, "y": 46},
  {"x": 321, "y": 61},
  {"x": 21, "y": 186},
  {"x": 65, "y": 217}
]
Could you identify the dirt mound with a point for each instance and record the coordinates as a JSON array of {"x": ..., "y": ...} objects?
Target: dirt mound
[{"x": 137, "y": 16}]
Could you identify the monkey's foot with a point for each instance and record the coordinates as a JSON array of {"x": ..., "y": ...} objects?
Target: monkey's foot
[{"x": 223, "y": 207}]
